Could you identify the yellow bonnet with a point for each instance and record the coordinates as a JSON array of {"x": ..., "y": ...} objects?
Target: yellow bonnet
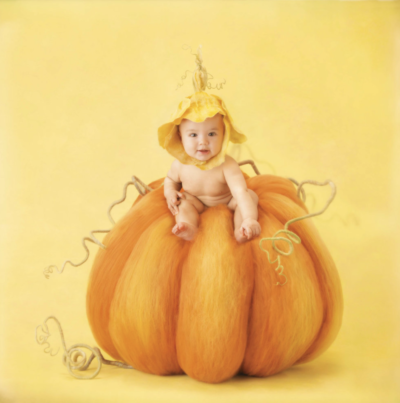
[{"x": 197, "y": 108}]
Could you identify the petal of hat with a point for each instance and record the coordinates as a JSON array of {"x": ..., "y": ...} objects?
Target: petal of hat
[
  {"x": 166, "y": 130},
  {"x": 236, "y": 136}
]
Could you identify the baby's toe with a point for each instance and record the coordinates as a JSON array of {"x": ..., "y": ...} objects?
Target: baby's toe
[{"x": 240, "y": 235}]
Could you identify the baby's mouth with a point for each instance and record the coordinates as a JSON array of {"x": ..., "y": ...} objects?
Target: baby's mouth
[{"x": 203, "y": 151}]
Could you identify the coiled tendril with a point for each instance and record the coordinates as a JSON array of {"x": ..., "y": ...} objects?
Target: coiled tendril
[
  {"x": 291, "y": 236},
  {"x": 74, "y": 358}
]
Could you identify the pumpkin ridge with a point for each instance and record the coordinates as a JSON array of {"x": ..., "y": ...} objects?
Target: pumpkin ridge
[
  {"x": 328, "y": 279},
  {"x": 266, "y": 185},
  {"x": 216, "y": 288},
  {"x": 109, "y": 264},
  {"x": 277, "y": 333},
  {"x": 144, "y": 310}
]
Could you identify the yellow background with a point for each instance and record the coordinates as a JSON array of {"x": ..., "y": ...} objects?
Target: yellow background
[{"x": 84, "y": 86}]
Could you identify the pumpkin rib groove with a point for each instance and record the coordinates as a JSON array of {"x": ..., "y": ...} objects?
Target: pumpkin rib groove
[{"x": 250, "y": 308}]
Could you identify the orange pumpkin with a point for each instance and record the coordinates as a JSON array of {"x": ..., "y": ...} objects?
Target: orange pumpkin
[{"x": 211, "y": 308}]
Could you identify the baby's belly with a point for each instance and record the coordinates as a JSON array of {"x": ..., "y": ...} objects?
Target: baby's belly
[{"x": 211, "y": 201}]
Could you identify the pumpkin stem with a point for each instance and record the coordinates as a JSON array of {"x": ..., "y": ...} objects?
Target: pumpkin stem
[{"x": 200, "y": 76}]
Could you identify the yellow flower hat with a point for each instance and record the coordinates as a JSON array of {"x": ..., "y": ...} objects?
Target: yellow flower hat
[{"x": 197, "y": 108}]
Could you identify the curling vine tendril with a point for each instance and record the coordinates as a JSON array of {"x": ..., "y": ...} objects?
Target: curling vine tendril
[{"x": 291, "y": 236}]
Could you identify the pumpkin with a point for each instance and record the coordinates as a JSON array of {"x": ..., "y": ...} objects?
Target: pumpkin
[{"x": 212, "y": 308}]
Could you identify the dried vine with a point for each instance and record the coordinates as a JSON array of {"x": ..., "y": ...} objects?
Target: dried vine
[
  {"x": 291, "y": 236},
  {"x": 141, "y": 187},
  {"x": 74, "y": 357}
]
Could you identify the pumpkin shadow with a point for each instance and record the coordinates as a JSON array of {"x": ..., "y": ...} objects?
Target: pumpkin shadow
[
  {"x": 307, "y": 375},
  {"x": 296, "y": 377}
]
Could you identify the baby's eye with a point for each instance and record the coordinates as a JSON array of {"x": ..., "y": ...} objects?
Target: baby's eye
[
  {"x": 212, "y": 134},
  {"x": 192, "y": 135}
]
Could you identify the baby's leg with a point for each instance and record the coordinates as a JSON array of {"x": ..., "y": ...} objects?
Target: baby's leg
[
  {"x": 249, "y": 228},
  {"x": 187, "y": 218}
]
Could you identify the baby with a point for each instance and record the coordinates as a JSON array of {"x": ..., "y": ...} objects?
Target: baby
[{"x": 223, "y": 184}]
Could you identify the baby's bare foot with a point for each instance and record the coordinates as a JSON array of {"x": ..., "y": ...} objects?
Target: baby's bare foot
[
  {"x": 248, "y": 230},
  {"x": 185, "y": 231}
]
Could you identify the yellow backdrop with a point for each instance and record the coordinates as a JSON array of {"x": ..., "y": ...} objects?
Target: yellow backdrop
[{"x": 84, "y": 86}]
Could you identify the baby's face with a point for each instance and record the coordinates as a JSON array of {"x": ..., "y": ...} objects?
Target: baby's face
[{"x": 202, "y": 140}]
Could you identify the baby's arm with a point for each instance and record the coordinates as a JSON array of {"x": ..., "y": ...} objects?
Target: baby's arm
[
  {"x": 237, "y": 185},
  {"x": 172, "y": 185}
]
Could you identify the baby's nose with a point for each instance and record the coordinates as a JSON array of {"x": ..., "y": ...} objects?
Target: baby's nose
[{"x": 203, "y": 139}]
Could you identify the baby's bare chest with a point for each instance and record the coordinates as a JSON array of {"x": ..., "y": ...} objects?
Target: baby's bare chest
[{"x": 204, "y": 183}]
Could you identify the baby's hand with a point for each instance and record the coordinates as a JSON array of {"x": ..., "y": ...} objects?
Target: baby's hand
[
  {"x": 173, "y": 200},
  {"x": 249, "y": 229}
]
